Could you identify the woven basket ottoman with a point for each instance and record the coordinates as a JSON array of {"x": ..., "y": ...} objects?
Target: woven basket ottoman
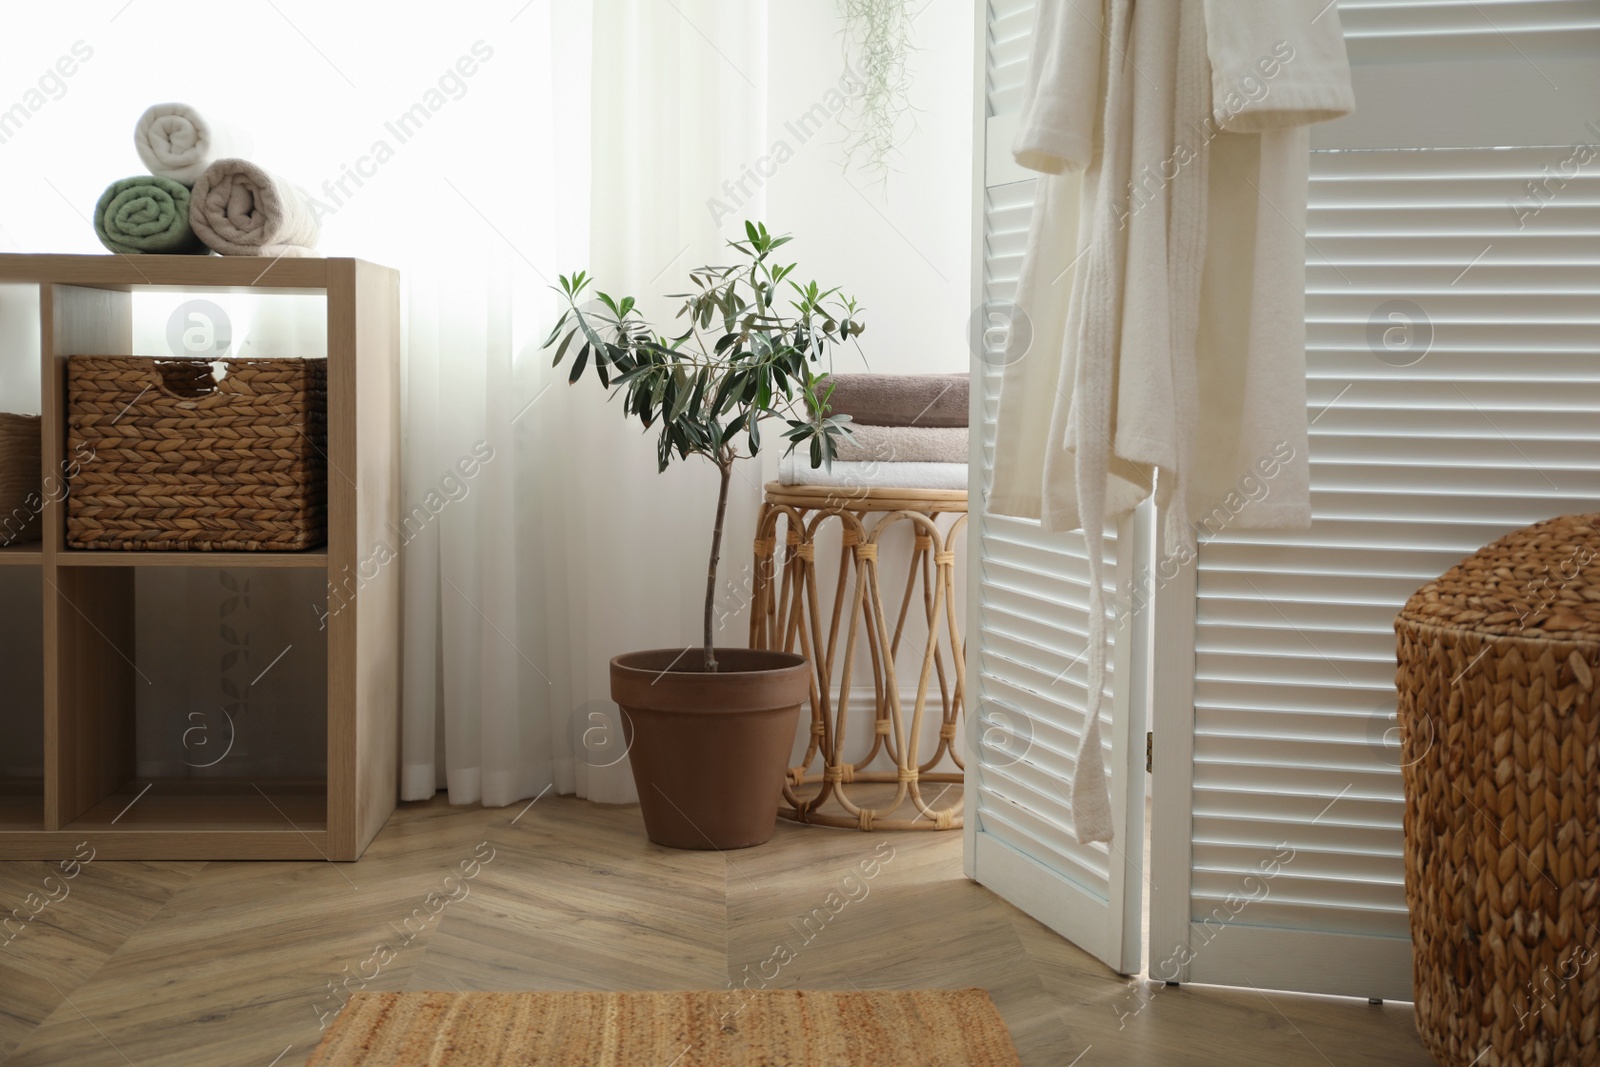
[{"x": 1499, "y": 709}]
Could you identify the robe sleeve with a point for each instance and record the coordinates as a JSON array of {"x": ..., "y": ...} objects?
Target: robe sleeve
[
  {"x": 1276, "y": 63},
  {"x": 1062, "y": 95}
]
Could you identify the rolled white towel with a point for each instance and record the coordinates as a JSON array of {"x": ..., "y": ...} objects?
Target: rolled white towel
[
  {"x": 238, "y": 209},
  {"x": 176, "y": 142},
  {"x": 796, "y": 469}
]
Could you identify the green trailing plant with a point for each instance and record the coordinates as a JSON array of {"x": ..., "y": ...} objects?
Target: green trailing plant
[
  {"x": 877, "y": 37},
  {"x": 752, "y": 341}
]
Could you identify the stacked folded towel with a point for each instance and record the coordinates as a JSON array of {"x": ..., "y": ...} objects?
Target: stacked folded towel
[
  {"x": 198, "y": 199},
  {"x": 909, "y": 431},
  {"x": 898, "y": 399},
  {"x": 871, "y": 443},
  {"x": 796, "y": 469}
]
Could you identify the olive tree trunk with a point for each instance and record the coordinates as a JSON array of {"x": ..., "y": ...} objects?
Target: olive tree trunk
[{"x": 725, "y": 470}]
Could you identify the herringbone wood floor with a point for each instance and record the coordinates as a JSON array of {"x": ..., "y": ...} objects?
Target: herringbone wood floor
[{"x": 231, "y": 963}]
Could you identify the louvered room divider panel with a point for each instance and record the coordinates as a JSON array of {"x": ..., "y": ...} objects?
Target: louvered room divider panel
[
  {"x": 1029, "y": 625},
  {"x": 1454, "y": 395}
]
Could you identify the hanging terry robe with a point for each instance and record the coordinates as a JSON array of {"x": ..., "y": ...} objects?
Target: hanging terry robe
[{"x": 1164, "y": 280}]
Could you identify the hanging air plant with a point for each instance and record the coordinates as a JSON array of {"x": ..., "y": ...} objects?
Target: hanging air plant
[{"x": 877, "y": 50}]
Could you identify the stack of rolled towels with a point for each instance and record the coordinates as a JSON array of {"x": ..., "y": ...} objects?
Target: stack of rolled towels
[
  {"x": 909, "y": 431},
  {"x": 198, "y": 199}
]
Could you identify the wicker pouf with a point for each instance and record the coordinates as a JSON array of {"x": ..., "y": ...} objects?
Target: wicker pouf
[{"x": 1500, "y": 712}]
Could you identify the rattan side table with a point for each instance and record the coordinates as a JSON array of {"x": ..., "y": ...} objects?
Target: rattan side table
[
  {"x": 1500, "y": 713},
  {"x": 790, "y": 612}
]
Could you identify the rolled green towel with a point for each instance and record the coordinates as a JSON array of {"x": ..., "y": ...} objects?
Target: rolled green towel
[{"x": 146, "y": 214}]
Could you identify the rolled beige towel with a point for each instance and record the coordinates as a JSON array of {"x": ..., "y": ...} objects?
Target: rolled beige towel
[
  {"x": 898, "y": 399},
  {"x": 239, "y": 209},
  {"x": 867, "y": 443},
  {"x": 177, "y": 143}
]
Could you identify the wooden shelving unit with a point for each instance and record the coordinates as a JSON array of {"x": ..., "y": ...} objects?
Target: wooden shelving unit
[{"x": 90, "y": 790}]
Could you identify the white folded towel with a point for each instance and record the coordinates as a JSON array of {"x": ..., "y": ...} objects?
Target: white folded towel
[
  {"x": 796, "y": 469},
  {"x": 176, "y": 142},
  {"x": 238, "y": 209}
]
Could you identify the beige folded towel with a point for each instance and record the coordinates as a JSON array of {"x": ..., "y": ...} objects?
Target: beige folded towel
[
  {"x": 898, "y": 399},
  {"x": 239, "y": 209},
  {"x": 902, "y": 444}
]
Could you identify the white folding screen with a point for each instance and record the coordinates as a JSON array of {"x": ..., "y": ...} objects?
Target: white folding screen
[
  {"x": 1453, "y": 361},
  {"x": 1028, "y": 625},
  {"x": 1453, "y": 314}
]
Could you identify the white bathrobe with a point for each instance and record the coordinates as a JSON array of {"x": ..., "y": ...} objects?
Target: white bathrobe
[{"x": 1165, "y": 280}]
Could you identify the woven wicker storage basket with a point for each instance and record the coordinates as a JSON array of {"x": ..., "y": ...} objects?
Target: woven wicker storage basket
[
  {"x": 168, "y": 457},
  {"x": 1499, "y": 705},
  {"x": 20, "y": 500}
]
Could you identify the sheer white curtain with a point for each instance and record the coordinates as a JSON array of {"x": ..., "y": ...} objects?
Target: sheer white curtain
[
  {"x": 550, "y": 543},
  {"x": 574, "y": 549},
  {"x": 678, "y": 110}
]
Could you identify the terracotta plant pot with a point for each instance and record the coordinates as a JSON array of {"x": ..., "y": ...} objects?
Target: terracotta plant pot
[{"x": 709, "y": 751}]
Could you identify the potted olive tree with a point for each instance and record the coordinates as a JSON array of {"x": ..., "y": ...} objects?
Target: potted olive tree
[{"x": 710, "y": 729}]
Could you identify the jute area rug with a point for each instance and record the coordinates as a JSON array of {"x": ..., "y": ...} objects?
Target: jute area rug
[{"x": 720, "y": 1028}]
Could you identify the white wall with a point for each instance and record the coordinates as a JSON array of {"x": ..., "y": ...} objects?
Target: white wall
[{"x": 900, "y": 246}]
